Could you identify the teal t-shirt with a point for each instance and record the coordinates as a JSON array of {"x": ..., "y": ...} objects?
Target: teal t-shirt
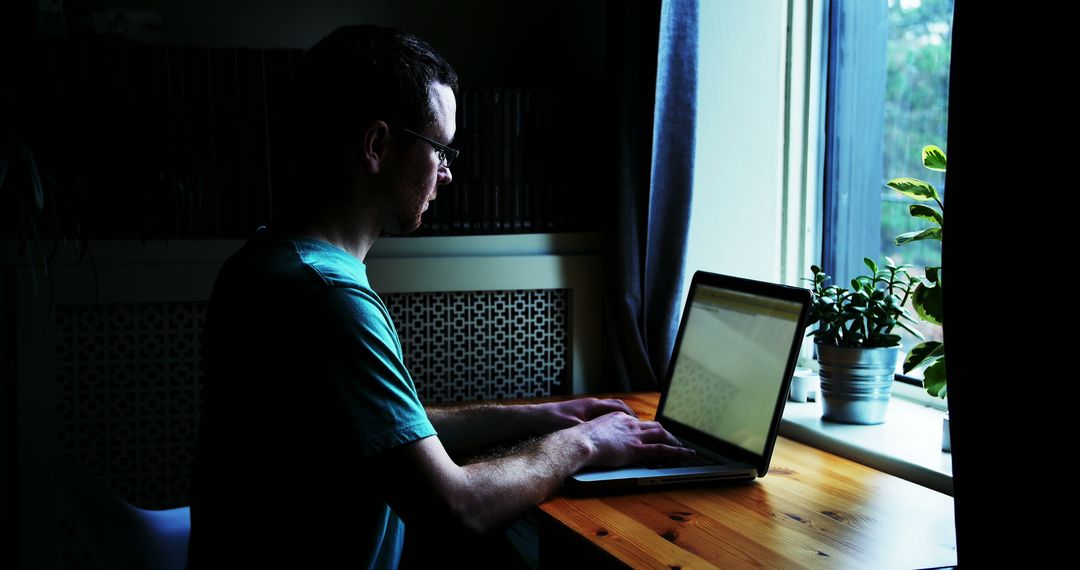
[{"x": 304, "y": 383}]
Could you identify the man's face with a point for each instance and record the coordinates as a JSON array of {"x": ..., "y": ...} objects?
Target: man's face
[{"x": 420, "y": 172}]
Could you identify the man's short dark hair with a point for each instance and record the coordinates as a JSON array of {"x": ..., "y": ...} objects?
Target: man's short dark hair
[
  {"x": 356, "y": 75},
  {"x": 360, "y": 74}
]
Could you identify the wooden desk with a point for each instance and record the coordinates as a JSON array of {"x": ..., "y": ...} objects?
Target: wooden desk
[{"x": 813, "y": 509}]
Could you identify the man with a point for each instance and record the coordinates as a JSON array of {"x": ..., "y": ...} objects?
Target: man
[{"x": 312, "y": 441}]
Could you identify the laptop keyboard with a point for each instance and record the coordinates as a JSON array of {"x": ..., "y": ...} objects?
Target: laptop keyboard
[{"x": 698, "y": 460}]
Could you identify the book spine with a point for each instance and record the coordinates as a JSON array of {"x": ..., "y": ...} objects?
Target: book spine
[
  {"x": 476, "y": 186},
  {"x": 213, "y": 143},
  {"x": 529, "y": 159},
  {"x": 519, "y": 209},
  {"x": 192, "y": 117},
  {"x": 506, "y": 156},
  {"x": 495, "y": 153},
  {"x": 549, "y": 184}
]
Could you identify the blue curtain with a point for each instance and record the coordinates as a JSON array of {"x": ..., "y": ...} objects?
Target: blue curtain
[
  {"x": 856, "y": 104},
  {"x": 653, "y": 213}
]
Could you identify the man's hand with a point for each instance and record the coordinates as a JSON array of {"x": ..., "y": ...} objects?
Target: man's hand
[
  {"x": 618, "y": 439},
  {"x": 560, "y": 415},
  {"x": 466, "y": 429}
]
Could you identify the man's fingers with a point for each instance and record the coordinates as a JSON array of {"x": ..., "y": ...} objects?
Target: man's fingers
[
  {"x": 621, "y": 438},
  {"x": 658, "y": 434},
  {"x": 653, "y": 432},
  {"x": 617, "y": 406},
  {"x": 625, "y": 408}
]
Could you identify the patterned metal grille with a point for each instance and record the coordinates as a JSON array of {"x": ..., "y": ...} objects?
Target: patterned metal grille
[
  {"x": 128, "y": 400},
  {"x": 482, "y": 345}
]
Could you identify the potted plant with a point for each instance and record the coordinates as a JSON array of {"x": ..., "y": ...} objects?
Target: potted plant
[
  {"x": 857, "y": 350},
  {"x": 926, "y": 298}
]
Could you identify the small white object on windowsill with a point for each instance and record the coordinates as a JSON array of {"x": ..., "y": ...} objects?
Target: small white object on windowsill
[
  {"x": 946, "y": 440},
  {"x": 804, "y": 386}
]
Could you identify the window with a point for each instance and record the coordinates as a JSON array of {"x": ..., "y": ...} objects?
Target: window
[{"x": 887, "y": 99}]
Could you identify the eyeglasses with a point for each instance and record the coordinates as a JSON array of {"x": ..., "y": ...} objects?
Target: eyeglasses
[{"x": 446, "y": 154}]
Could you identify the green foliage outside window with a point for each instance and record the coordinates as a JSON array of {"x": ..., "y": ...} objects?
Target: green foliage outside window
[{"x": 916, "y": 112}]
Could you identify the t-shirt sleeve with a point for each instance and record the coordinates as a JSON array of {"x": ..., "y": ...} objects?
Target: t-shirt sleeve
[{"x": 375, "y": 388}]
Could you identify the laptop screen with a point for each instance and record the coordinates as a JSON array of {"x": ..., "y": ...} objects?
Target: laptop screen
[{"x": 730, "y": 365}]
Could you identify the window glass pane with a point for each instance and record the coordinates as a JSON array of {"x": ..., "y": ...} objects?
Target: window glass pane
[{"x": 916, "y": 115}]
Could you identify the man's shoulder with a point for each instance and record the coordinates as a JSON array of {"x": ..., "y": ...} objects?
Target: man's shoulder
[
  {"x": 290, "y": 257},
  {"x": 331, "y": 264}
]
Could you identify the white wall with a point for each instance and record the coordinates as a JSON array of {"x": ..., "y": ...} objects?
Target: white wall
[
  {"x": 734, "y": 228},
  {"x": 755, "y": 181}
]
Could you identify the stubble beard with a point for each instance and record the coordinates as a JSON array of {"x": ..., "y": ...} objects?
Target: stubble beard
[{"x": 408, "y": 209}]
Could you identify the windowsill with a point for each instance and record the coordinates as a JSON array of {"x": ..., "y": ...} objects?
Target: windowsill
[{"x": 907, "y": 445}]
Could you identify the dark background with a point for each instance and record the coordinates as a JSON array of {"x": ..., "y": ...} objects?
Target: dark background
[
  {"x": 159, "y": 120},
  {"x": 164, "y": 124}
]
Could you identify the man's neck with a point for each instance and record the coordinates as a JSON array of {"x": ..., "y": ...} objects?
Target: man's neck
[
  {"x": 355, "y": 238},
  {"x": 355, "y": 245}
]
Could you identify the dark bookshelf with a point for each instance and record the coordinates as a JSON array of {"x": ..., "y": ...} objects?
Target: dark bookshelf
[{"x": 139, "y": 141}]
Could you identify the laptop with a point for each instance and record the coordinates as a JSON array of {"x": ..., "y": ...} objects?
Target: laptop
[{"x": 727, "y": 383}]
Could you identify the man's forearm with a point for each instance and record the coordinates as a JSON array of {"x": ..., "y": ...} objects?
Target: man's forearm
[
  {"x": 476, "y": 426},
  {"x": 464, "y": 428},
  {"x": 503, "y": 488}
]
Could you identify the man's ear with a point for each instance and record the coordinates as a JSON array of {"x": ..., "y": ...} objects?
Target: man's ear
[{"x": 375, "y": 145}]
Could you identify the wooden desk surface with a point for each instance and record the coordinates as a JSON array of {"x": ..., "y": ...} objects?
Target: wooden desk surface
[{"x": 812, "y": 509}]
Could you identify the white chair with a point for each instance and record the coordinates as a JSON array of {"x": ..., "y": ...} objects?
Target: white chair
[{"x": 119, "y": 535}]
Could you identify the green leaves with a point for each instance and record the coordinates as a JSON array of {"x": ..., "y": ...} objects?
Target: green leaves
[
  {"x": 934, "y": 379},
  {"x": 929, "y": 233},
  {"x": 870, "y": 264},
  {"x": 914, "y": 332},
  {"x": 924, "y": 354},
  {"x": 913, "y": 188},
  {"x": 926, "y": 297},
  {"x": 933, "y": 158},
  {"x": 887, "y": 340},
  {"x": 931, "y": 355},
  {"x": 926, "y": 213},
  {"x": 865, "y": 314},
  {"x": 928, "y": 305}
]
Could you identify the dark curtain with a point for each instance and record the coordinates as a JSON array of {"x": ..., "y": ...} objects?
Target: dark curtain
[
  {"x": 991, "y": 378},
  {"x": 656, "y": 83},
  {"x": 1010, "y": 226}
]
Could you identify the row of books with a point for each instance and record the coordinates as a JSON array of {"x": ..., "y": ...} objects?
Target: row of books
[
  {"x": 149, "y": 141},
  {"x": 502, "y": 181}
]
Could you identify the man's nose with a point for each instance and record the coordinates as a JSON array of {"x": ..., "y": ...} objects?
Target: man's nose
[{"x": 445, "y": 176}]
